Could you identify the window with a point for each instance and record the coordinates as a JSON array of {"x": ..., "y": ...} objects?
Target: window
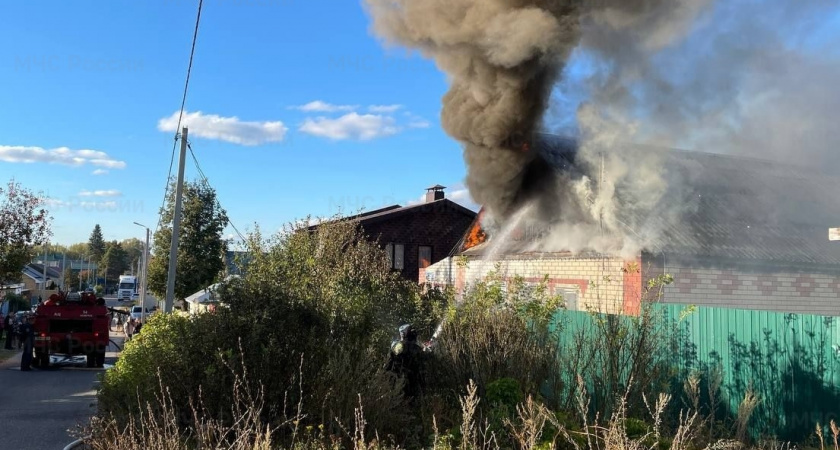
[
  {"x": 399, "y": 256},
  {"x": 425, "y": 256},
  {"x": 570, "y": 296},
  {"x": 396, "y": 255}
]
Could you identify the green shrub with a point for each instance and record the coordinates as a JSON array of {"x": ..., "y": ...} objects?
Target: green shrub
[
  {"x": 504, "y": 391},
  {"x": 311, "y": 320}
]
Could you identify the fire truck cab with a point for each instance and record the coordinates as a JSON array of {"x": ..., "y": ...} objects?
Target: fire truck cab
[{"x": 72, "y": 324}]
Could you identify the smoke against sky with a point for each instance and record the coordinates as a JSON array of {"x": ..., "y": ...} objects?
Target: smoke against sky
[
  {"x": 502, "y": 59},
  {"x": 751, "y": 78}
]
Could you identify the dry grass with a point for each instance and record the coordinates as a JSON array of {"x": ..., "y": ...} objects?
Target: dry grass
[{"x": 532, "y": 427}]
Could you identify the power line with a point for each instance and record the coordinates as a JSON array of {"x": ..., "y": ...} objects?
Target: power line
[
  {"x": 180, "y": 114},
  {"x": 204, "y": 177}
]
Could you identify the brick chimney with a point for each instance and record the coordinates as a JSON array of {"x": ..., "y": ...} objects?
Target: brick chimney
[{"x": 434, "y": 193}]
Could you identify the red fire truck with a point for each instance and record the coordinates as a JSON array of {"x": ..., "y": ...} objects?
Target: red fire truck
[{"x": 70, "y": 324}]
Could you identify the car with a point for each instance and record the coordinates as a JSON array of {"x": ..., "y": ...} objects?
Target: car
[{"x": 137, "y": 312}]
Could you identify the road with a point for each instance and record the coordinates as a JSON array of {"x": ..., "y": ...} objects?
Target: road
[{"x": 37, "y": 408}]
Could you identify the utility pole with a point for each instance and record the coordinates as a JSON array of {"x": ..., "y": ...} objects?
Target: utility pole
[{"x": 176, "y": 225}]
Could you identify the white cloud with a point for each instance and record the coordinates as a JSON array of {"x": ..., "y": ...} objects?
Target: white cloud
[
  {"x": 384, "y": 108},
  {"x": 61, "y": 155},
  {"x": 416, "y": 121},
  {"x": 320, "y": 106},
  {"x": 419, "y": 123},
  {"x": 351, "y": 126},
  {"x": 83, "y": 205},
  {"x": 99, "y": 172},
  {"x": 228, "y": 129},
  {"x": 101, "y": 193}
]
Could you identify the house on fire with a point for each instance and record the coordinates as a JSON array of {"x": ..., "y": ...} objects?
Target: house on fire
[
  {"x": 753, "y": 235},
  {"x": 417, "y": 236}
]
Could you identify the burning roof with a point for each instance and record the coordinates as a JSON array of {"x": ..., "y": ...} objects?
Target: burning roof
[{"x": 717, "y": 206}]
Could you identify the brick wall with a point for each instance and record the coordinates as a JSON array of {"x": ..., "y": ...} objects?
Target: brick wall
[
  {"x": 440, "y": 224},
  {"x": 805, "y": 290},
  {"x": 588, "y": 283}
]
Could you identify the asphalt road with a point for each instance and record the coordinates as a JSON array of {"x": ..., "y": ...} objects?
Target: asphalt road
[{"x": 38, "y": 408}]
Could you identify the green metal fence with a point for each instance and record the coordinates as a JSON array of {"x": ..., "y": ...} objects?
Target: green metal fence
[{"x": 791, "y": 361}]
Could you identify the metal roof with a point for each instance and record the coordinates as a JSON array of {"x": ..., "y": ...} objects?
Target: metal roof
[{"x": 728, "y": 207}]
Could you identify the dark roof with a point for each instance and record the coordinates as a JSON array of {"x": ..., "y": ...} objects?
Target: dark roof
[
  {"x": 727, "y": 207},
  {"x": 37, "y": 271},
  {"x": 394, "y": 211},
  {"x": 749, "y": 209},
  {"x": 389, "y": 214}
]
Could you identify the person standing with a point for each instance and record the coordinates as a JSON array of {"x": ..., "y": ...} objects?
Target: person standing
[
  {"x": 8, "y": 325},
  {"x": 18, "y": 323},
  {"x": 406, "y": 361},
  {"x": 128, "y": 329},
  {"x": 27, "y": 336}
]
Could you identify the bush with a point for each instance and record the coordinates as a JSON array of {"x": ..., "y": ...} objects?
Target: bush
[{"x": 312, "y": 320}]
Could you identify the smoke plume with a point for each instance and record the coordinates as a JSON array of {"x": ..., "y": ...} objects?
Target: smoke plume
[
  {"x": 502, "y": 58},
  {"x": 750, "y": 77}
]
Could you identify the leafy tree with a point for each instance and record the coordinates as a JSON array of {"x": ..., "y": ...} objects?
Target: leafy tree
[
  {"x": 133, "y": 251},
  {"x": 96, "y": 244},
  {"x": 77, "y": 251},
  {"x": 83, "y": 278},
  {"x": 115, "y": 261},
  {"x": 23, "y": 224},
  {"x": 201, "y": 248},
  {"x": 70, "y": 281}
]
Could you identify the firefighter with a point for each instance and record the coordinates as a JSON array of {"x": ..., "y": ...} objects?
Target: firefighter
[{"x": 406, "y": 361}]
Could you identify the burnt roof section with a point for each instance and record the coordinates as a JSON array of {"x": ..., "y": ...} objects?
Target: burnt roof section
[{"x": 730, "y": 208}]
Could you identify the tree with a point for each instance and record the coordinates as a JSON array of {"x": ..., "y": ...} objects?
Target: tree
[
  {"x": 133, "y": 251},
  {"x": 23, "y": 224},
  {"x": 69, "y": 281},
  {"x": 114, "y": 262},
  {"x": 77, "y": 251},
  {"x": 84, "y": 275},
  {"x": 96, "y": 244},
  {"x": 201, "y": 248}
]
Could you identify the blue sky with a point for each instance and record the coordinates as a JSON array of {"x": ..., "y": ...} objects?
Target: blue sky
[{"x": 93, "y": 75}]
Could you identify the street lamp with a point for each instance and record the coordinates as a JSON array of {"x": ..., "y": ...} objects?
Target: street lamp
[{"x": 145, "y": 269}]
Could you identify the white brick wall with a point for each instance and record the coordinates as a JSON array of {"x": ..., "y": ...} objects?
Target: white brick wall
[{"x": 599, "y": 282}]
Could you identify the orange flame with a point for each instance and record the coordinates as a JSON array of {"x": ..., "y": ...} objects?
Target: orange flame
[{"x": 476, "y": 234}]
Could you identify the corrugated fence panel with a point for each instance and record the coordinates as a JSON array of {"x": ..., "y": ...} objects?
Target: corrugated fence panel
[{"x": 790, "y": 361}]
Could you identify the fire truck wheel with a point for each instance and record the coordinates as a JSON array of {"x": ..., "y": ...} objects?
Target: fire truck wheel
[
  {"x": 42, "y": 360},
  {"x": 100, "y": 359},
  {"x": 90, "y": 359}
]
